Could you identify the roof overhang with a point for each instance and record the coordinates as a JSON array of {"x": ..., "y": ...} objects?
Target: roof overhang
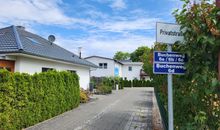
[
  {"x": 133, "y": 63},
  {"x": 45, "y": 59}
]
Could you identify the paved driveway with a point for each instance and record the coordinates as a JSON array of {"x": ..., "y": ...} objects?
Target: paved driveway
[{"x": 128, "y": 109}]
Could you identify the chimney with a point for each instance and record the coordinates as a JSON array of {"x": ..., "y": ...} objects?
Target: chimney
[
  {"x": 80, "y": 52},
  {"x": 21, "y": 27}
]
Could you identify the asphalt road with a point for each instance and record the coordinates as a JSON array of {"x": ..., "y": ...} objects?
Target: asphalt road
[{"x": 128, "y": 109}]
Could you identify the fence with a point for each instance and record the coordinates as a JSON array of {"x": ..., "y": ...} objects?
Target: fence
[{"x": 163, "y": 111}]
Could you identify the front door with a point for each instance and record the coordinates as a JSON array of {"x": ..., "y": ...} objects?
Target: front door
[{"x": 7, "y": 64}]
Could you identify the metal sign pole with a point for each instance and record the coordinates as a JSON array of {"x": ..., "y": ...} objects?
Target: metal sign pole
[{"x": 170, "y": 94}]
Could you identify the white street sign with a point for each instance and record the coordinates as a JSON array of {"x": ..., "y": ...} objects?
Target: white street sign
[{"x": 168, "y": 33}]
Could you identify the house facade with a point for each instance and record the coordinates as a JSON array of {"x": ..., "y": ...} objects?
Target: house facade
[
  {"x": 109, "y": 67},
  {"x": 25, "y": 52}
]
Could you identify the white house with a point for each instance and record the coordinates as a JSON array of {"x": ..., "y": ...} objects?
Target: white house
[
  {"x": 22, "y": 51},
  {"x": 109, "y": 67}
]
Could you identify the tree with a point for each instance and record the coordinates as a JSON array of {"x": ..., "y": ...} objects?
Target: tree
[
  {"x": 121, "y": 55},
  {"x": 196, "y": 98},
  {"x": 145, "y": 55},
  {"x": 138, "y": 54}
]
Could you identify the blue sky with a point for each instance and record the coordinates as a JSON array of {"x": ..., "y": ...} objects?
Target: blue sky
[{"x": 100, "y": 27}]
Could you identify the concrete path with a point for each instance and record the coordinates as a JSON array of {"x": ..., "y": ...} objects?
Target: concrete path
[{"x": 128, "y": 109}]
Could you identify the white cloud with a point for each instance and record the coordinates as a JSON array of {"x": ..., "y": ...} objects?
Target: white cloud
[
  {"x": 98, "y": 25},
  {"x": 130, "y": 25},
  {"x": 101, "y": 45},
  {"x": 114, "y": 4},
  {"x": 35, "y": 11},
  {"x": 118, "y": 4}
]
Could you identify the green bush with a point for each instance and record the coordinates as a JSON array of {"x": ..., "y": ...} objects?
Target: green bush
[
  {"x": 28, "y": 99},
  {"x": 127, "y": 83},
  {"x": 107, "y": 81},
  {"x": 103, "y": 89},
  {"x": 196, "y": 94}
]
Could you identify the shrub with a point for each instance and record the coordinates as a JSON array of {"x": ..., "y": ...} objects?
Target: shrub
[
  {"x": 103, "y": 89},
  {"x": 137, "y": 83},
  {"x": 84, "y": 96},
  {"x": 28, "y": 99},
  {"x": 195, "y": 94},
  {"x": 108, "y": 81},
  {"x": 127, "y": 83}
]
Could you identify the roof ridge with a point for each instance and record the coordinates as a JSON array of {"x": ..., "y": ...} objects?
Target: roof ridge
[
  {"x": 17, "y": 38},
  {"x": 103, "y": 58}
]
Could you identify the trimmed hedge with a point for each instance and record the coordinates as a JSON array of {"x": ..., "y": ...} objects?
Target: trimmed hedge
[
  {"x": 142, "y": 83},
  {"x": 127, "y": 83},
  {"x": 137, "y": 83},
  {"x": 28, "y": 99}
]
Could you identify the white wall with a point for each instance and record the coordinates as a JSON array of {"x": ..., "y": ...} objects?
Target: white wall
[
  {"x": 31, "y": 66},
  {"x": 130, "y": 75},
  {"x": 102, "y": 72}
]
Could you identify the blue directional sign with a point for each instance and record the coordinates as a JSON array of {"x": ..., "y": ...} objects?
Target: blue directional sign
[
  {"x": 169, "y": 62},
  {"x": 166, "y": 68},
  {"x": 167, "y": 57}
]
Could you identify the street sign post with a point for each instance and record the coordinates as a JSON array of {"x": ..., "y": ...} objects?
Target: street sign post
[{"x": 169, "y": 62}]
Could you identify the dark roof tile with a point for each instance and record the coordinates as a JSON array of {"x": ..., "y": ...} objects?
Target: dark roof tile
[{"x": 29, "y": 43}]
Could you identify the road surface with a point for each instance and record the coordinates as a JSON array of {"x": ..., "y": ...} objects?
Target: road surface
[{"x": 128, "y": 109}]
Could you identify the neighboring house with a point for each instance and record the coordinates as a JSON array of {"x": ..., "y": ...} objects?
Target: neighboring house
[
  {"x": 109, "y": 67},
  {"x": 25, "y": 52}
]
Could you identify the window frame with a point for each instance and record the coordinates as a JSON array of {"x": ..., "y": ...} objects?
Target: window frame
[
  {"x": 129, "y": 68},
  {"x": 103, "y": 65},
  {"x": 47, "y": 69},
  {"x": 72, "y": 71}
]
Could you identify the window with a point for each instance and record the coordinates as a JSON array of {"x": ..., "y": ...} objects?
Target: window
[
  {"x": 100, "y": 65},
  {"x": 33, "y": 41},
  {"x": 129, "y": 68},
  {"x": 46, "y": 69},
  {"x": 103, "y": 65},
  {"x": 72, "y": 71}
]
